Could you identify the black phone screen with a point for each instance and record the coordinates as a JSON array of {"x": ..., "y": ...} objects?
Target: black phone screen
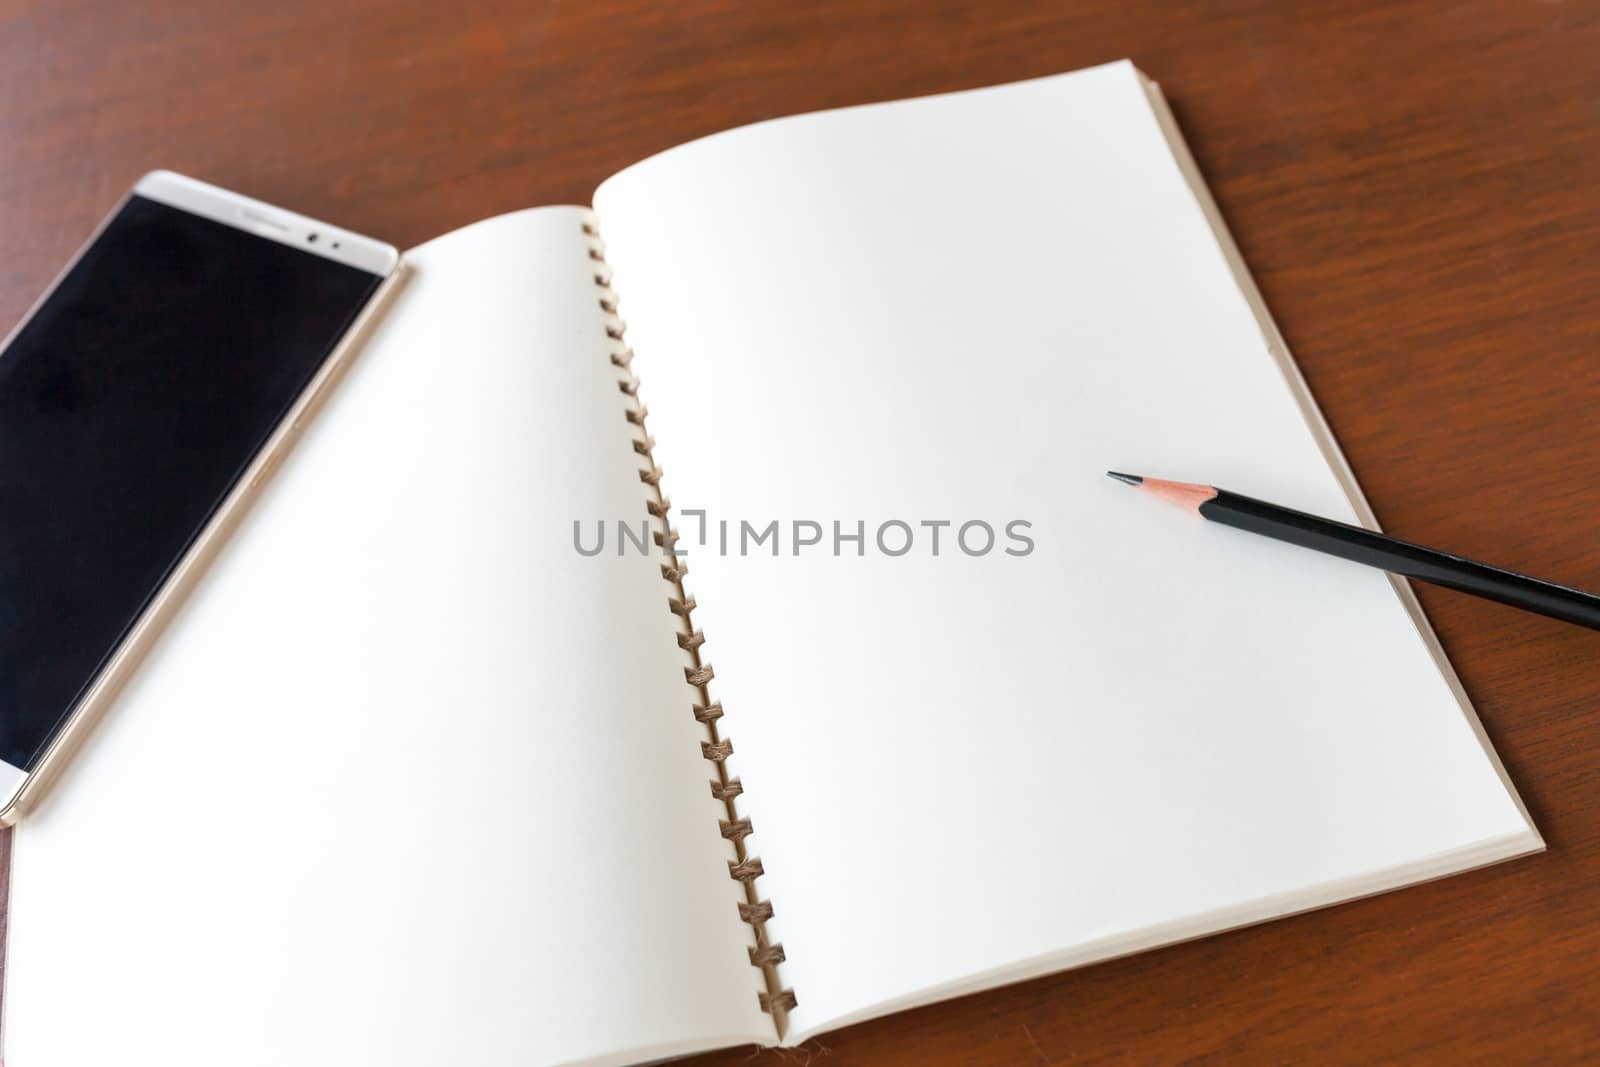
[{"x": 130, "y": 404}]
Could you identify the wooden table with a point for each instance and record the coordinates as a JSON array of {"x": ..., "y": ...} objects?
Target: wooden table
[{"x": 1414, "y": 184}]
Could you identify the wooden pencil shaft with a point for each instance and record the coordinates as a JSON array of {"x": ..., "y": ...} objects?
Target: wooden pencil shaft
[{"x": 1401, "y": 557}]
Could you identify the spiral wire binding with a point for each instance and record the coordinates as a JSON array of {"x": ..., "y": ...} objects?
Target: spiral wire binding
[{"x": 744, "y": 868}]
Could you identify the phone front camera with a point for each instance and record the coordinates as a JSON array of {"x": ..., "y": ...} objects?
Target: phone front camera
[{"x": 311, "y": 237}]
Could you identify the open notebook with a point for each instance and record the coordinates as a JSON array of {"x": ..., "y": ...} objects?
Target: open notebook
[{"x": 433, "y": 781}]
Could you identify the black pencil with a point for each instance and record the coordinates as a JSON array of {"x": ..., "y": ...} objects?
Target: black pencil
[{"x": 1377, "y": 550}]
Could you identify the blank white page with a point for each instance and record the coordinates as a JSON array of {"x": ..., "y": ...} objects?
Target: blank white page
[
  {"x": 968, "y": 769},
  {"x": 408, "y": 781}
]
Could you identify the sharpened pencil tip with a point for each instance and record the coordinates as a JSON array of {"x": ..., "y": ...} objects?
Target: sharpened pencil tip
[{"x": 1125, "y": 479}]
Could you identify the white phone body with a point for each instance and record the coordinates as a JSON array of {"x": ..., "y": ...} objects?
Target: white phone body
[{"x": 20, "y": 788}]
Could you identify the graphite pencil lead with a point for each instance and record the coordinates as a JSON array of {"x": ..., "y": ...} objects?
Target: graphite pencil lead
[{"x": 1126, "y": 479}]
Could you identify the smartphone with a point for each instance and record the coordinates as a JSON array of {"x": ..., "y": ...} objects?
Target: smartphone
[{"x": 143, "y": 399}]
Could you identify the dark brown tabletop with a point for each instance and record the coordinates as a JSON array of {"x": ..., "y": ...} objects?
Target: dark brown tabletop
[{"x": 1416, "y": 186}]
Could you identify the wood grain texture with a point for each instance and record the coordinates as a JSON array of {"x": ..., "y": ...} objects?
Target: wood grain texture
[{"x": 1412, "y": 183}]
